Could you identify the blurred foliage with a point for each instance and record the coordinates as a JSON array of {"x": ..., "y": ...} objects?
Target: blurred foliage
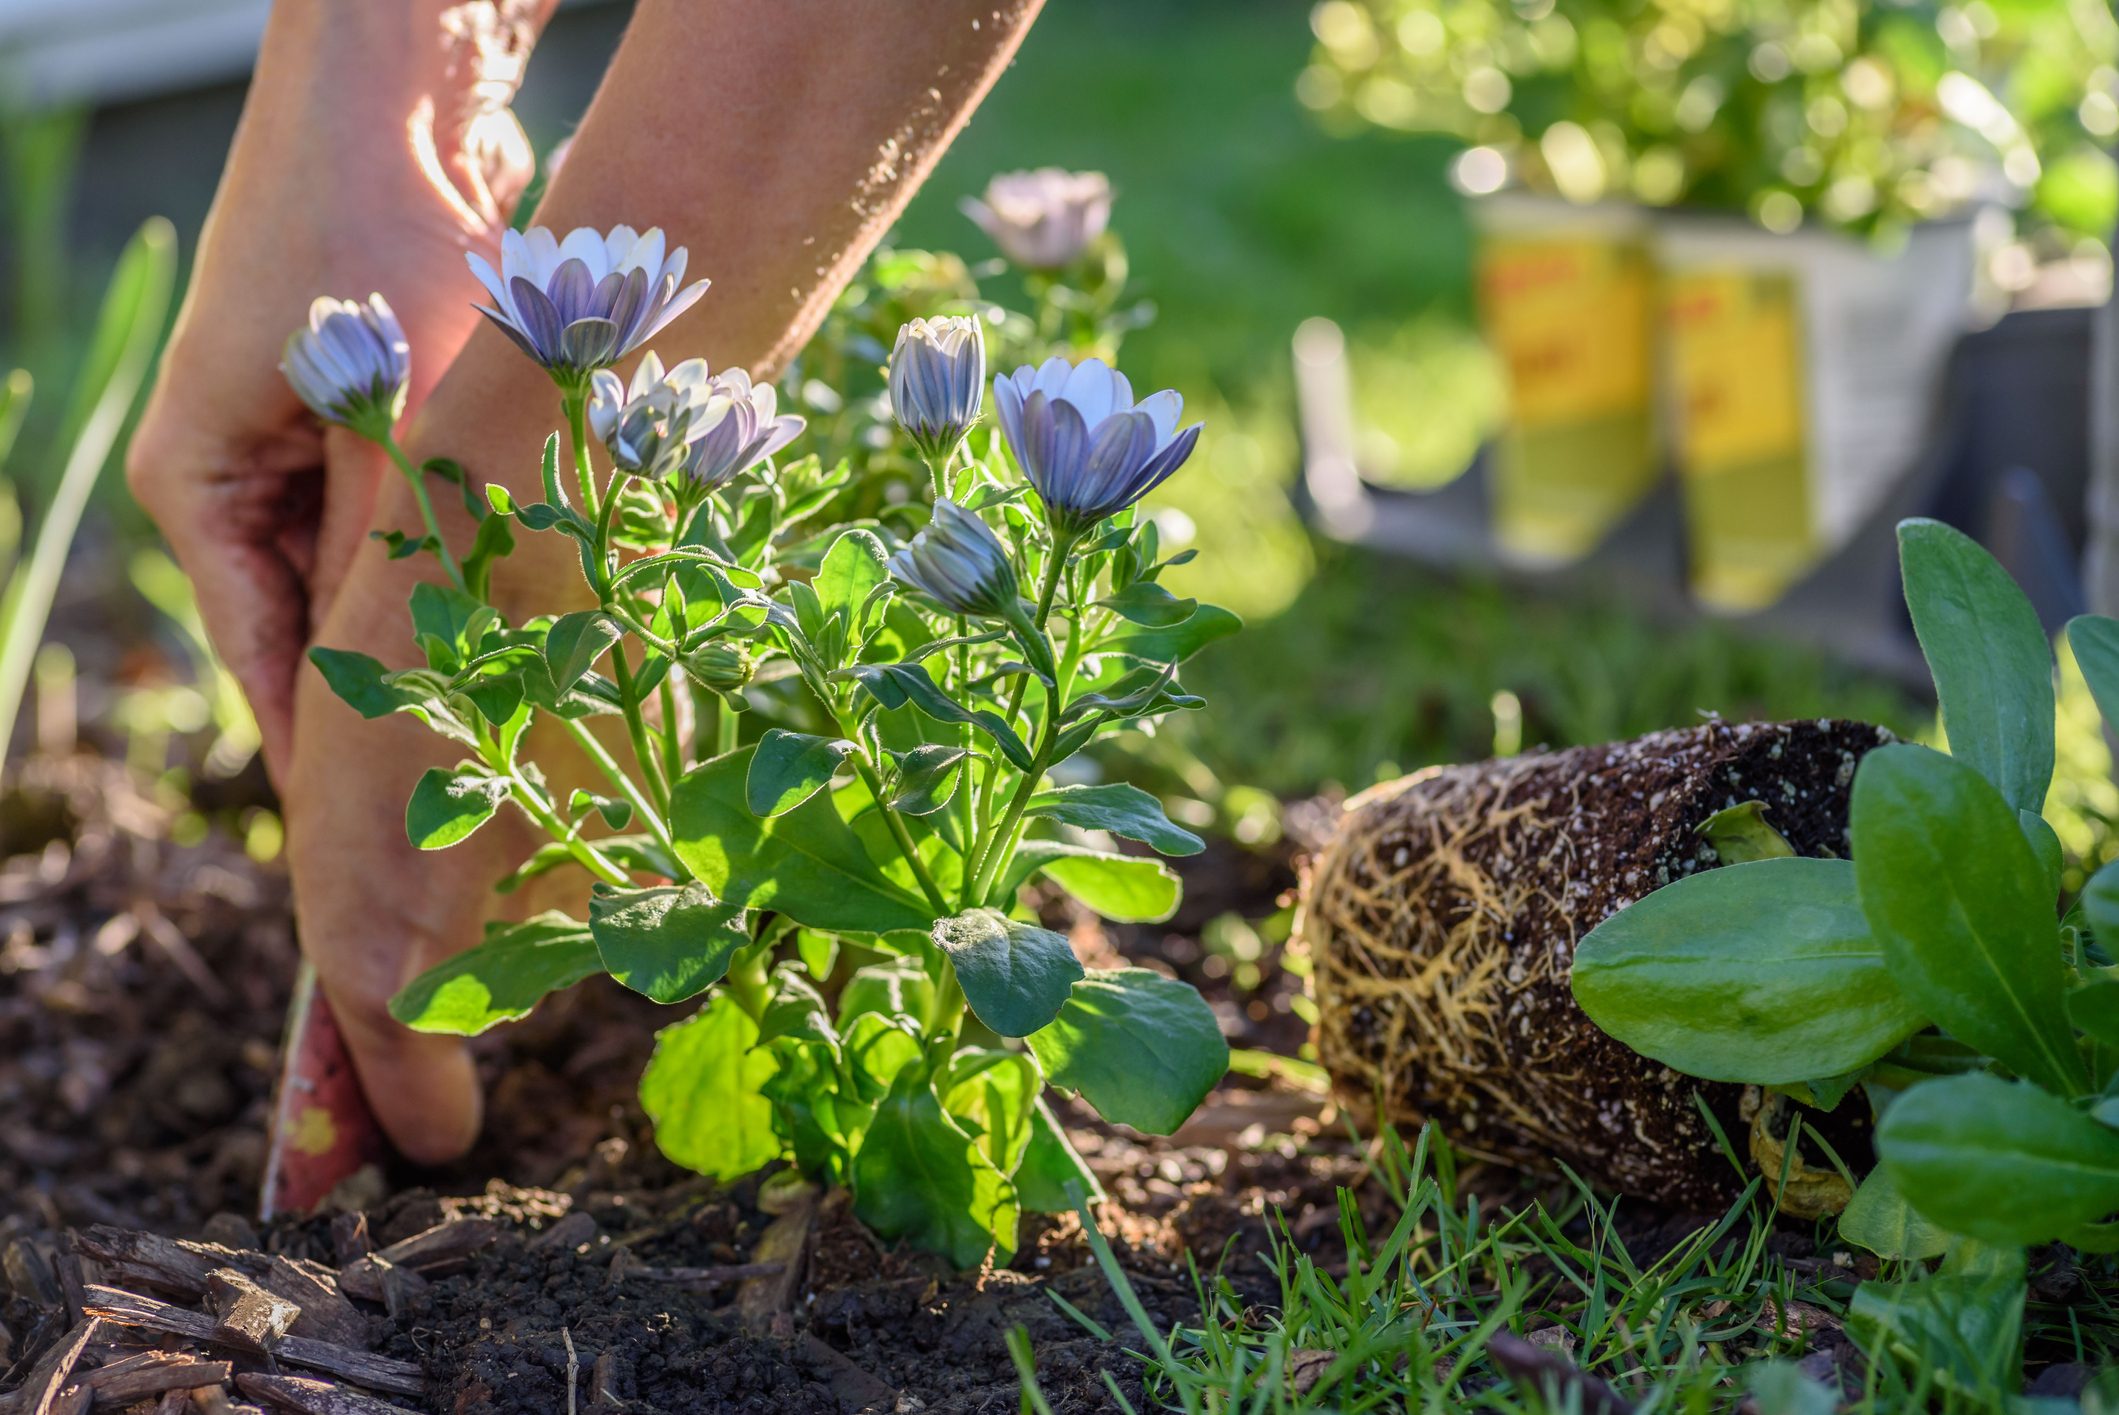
[{"x": 1869, "y": 113}]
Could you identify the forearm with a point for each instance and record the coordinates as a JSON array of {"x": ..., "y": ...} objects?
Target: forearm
[{"x": 778, "y": 143}]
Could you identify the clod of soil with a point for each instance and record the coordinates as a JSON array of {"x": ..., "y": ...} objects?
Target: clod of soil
[{"x": 1443, "y": 919}]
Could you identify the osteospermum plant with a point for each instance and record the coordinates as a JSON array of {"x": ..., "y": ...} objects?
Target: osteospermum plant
[{"x": 840, "y": 901}]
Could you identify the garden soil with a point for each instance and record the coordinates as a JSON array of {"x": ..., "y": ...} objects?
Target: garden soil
[{"x": 142, "y": 984}]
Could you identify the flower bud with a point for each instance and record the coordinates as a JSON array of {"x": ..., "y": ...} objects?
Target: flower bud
[
  {"x": 648, "y": 428},
  {"x": 959, "y": 562},
  {"x": 719, "y": 665},
  {"x": 740, "y": 427},
  {"x": 938, "y": 382},
  {"x": 1043, "y": 220},
  {"x": 350, "y": 364}
]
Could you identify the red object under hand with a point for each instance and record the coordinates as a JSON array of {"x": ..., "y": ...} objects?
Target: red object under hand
[{"x": 322, "y": 1129}]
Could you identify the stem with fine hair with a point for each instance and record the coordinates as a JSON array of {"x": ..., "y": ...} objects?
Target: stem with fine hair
[
  {"x": 576, "y": 403},
  {"x": 418, "y": 483},
  {"x": 1055, "y": 570}
]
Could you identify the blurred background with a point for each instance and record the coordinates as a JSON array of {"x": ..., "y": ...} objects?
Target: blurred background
[{"x": 1565, "y": 362}]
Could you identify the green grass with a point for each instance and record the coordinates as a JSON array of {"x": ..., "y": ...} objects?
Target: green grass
[{"x": 1461, "y": 1305}]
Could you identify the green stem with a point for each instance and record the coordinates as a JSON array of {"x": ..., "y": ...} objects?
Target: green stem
[
  {"x": 672, "y": 739},
  {"x": 999, "y": 843},
  {"x": 588, "y": 855},
  {"x": 418, "y": 483},
  {"x": 728, "y": 728},
  {"x": 617, "y": 776},
  {"x": 1055, "y": 570},
  {"x": 906, "y": 846},
  {"x": 636, "y": 728},
  {"x": 947, "y": 1010},
  {"x": 576, "y": 402},
  {"x": 750, "y": 981}
]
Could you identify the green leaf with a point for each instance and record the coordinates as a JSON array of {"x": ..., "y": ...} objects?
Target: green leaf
[
  {"x": 500, "y": 979},
  {"x": 1764, "y": 973},
  {"x": 2095, "y": 640},
  {"x": 1740, "y": 835},
  {"x": 1960, "y": 1331},
  {"x": 1999, "y": 1160},
  {"x": 1782, "y": 1388},
  {"x": 2045, "y": 848},
  {"x": 1143, "y": 1049},
  {"x": 927, "y": 779},
  {"x": 920, "y": 1177},
  {"x": 852, "y": 568},
  {"x": 704, "y": 1089},
  {"x": 990, "y": 1093},
  {"x": 1989, "y": 656},
  {"x": 1880, "y": 1220},
  {"x": 358, "y": 681},
  {"x": 1952, "y": 891},
  {"x": 575, "y": 642},
  {"x": 788, "y": 768},
  {"x": 895, "y": 684},
  {"x": 447, "y": 624},
  {"x": 898, "y": 988},
  {"x": 1174, "y": 644},
  {"x": 616, "y": 811},
  {"x": 2093, "y": 1007},
  {"x": 2100, "y": 901},
  {"x": 1145, "y": 602},
  {"x": 669, "y": 942},
  {"x": 1119, "y": 808},
  {"x": 879, "y": 1049},
  {"x": 1127, "y": 889},
  {"x": 1053, "y": 1178},
  {"x": 446, "y": 806},
  {"x": 806, "y": 864},
  {"x": 1015, "y": 976}
]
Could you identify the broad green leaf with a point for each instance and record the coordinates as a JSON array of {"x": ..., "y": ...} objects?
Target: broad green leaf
[
  {"x": 895, "y": 684},
  {"x": 1174, "y": 644},
  {"x": 704, "y": 1089},
  {"x": 1880, "y": 1220},
  {"x": 1015, "y": 976},
  {"x": 806, "y": 864},
  {"x": 1053, "y": 1178},
  {"x": 2100, "y": 901},
  {"x": 446, "y": 806},
  {"x": 991, "y": 1094},
  {"x": 1782, "y": 1388},
  {"x": 852, "y": 568},
  {"x": 2093, "y": 1007},
  {"x": 878, "y": 1050},
  {"x": 1963, "y": 1331},
  {"x": 500, "y": 979},
  {"x": 787, "y": 768},
  {"x": 2045, "y": 848},
  {"x": 2095, "y": 640},
  {"x": 447, "y": 624},
  {"x": 1952, "y": 891},
  {"x": 669, "y": 942},
  {"x": 1989, "y": 656},
  {"x": 2002, "y": 1161},
  {"x": 1119, "y": 808},
  {"x": 1763, "y": 973},
  {"x": 1127, "y": 889},
  {"x": 927, "y": 779},
  {"x": 358, "y": 681},
  {"x": 797, "y": 1011},
  {"x": 575, "y": 642},
  {"x": 1145, "y": 602},
  {"x": 899, "y": 988},
  {"x": 1741, "y": 834},
  {"x": 1143, "y": 1049},
  {"x": 920, "y": 1177}
]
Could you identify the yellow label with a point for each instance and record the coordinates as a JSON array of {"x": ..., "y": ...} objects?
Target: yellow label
[
  {"x": 1736, "y": 359},
  {"x": 1571, "y": 320}
]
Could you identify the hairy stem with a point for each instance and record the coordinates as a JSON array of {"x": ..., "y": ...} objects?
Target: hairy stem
[
  {"x": 418, "y": 483},
  {"x": 656, "y": 822}
]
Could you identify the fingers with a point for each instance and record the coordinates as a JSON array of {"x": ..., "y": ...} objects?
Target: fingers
[{"x": 423, "y": 1090}]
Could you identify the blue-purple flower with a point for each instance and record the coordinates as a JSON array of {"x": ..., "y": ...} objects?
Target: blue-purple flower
[
  {"x": 736, "y": 431},
  {"x": 350, "y": 364},
  {"x": 1085, "y": 445},
  {"x": 649, "y": 427},
  {"x": 938, "y": 382},
  {"x": 585, "y": 302},
  {"x": 959, "y": 562},
  {"x": 1046, "y": 219}
]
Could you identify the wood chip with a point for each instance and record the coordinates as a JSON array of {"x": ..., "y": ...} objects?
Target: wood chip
[
  {"x": 39, "y": 1394},
  {"x": 572, "y": 1231},
  {"x": 361, "y": 1367},
  {"x": 246, "y": 1316},
  {"x": 307, "y": 1397},
  {"x": 349, "y": 1238},
  {"x": 439, "y": 1246},
  {"x": 326, "y": 1313},
  {"x": 171, "y": 1265},
  {"x": 147, "y": 1373}
]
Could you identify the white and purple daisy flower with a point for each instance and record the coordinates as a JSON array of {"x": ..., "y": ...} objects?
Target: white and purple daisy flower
[
  {"x": 585, "y": 302},
  {"x": 1084, "y": 444}
]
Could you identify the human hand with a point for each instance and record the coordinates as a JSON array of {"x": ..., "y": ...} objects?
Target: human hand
[{"x": 376, "y": 148}]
